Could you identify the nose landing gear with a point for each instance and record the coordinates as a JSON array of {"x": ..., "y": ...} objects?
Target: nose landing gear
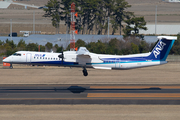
[
  {"x": 85, "y": 73},
  {"x": 11, "y": 67}
]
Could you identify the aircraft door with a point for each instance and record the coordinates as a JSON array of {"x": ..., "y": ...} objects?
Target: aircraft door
[
  {"x": 28, "y": 57},
  {"x": 117, "y": 63}
]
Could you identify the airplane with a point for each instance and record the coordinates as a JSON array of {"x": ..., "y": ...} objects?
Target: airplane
[{"x": 85, "y": 59}]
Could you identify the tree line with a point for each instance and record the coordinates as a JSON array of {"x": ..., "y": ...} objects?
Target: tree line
[
  {"x": 114, "y": 46},
  {"x": 9, "y": 47},
  {"x": 93, "y": 16}
]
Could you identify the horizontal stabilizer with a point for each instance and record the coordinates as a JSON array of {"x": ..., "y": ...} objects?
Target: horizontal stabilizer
[{"x": 167, "y": 37}]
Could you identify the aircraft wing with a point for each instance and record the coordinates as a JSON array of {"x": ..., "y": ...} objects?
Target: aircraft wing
[
  {"x": 83, "y": 56},
  {"x": 83, "y": 52}
]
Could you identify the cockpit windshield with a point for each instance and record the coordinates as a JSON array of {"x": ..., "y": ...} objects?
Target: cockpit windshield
[{"x": 16, "y": 54}]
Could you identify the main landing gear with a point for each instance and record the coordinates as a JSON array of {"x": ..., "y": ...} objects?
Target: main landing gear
[{"x": 85, "y": 73}]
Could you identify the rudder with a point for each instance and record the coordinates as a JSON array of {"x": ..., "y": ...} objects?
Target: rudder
[{"x": 162, "y": 48}]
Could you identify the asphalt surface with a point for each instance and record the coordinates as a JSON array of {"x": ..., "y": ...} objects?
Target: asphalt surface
[{"x": 89, "y": 94}]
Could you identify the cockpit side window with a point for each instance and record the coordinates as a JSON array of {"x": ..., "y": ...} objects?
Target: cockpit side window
[{"x": 16, "y": 54}]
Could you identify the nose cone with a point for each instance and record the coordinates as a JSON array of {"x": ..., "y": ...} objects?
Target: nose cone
[{"x": 6, "y": 60}]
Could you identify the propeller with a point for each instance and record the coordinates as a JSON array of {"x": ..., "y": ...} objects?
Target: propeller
[{"x": 61, "y": 56}]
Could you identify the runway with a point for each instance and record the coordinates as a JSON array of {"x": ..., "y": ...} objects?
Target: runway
[{"x": 89, "y": 94}]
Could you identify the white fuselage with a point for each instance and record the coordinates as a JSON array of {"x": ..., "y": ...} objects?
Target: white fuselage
[{"x": 71, "y": 58}]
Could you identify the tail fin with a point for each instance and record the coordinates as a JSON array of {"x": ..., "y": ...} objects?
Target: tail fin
[{"x": 162, "y": 48}]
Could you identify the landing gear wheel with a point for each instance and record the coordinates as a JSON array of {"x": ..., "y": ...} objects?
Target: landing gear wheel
[{"x": 85, "y": 73}]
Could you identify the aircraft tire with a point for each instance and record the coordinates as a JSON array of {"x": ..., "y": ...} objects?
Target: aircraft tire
[{"x": 85, "y": 73}]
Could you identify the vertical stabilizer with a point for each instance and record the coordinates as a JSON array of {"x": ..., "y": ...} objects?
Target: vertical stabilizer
[{"x": 162, "y": 48}]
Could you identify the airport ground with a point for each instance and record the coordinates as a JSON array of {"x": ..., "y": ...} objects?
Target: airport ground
[
  {"x": 168, "y": 13},
  {"x": 21, "y": 74},
  {"x": 167, "y": 74},
  {"x": 90, "y": 112}
]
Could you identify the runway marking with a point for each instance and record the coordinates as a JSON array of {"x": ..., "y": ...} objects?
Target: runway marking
[
  {"x": 135, "y": 95},
  {"x": 90, "y": 98},
  {"x": 134, "y": 87}
]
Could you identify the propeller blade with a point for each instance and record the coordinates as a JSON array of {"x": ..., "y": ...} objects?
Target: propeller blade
[{"x": 61, "y": 56}]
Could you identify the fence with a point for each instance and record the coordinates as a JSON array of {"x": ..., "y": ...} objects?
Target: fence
[
  {"x": 1, "y": 58},
  {"x": 173, "y": 58}
]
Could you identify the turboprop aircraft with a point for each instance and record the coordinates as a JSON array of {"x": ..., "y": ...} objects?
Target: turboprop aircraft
[{"x": 85, "y": 59}]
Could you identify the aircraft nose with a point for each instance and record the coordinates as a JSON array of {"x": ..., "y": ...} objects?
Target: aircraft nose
[{"x": 6, "y": 60}]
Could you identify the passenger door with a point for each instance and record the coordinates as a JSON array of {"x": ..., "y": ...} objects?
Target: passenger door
[
  {"x": 117, "y": 63},
  {"x": 28, "y": 57}
]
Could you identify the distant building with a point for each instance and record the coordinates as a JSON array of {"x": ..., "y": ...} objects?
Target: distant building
[
  {"x": 171, "y": 0},
  {"x": 161, "y": 29}
]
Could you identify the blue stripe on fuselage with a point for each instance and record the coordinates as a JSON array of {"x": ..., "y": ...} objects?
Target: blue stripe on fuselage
[
  {"x": 133, "y": 59},
  {"x": 54, "y": 63}
]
